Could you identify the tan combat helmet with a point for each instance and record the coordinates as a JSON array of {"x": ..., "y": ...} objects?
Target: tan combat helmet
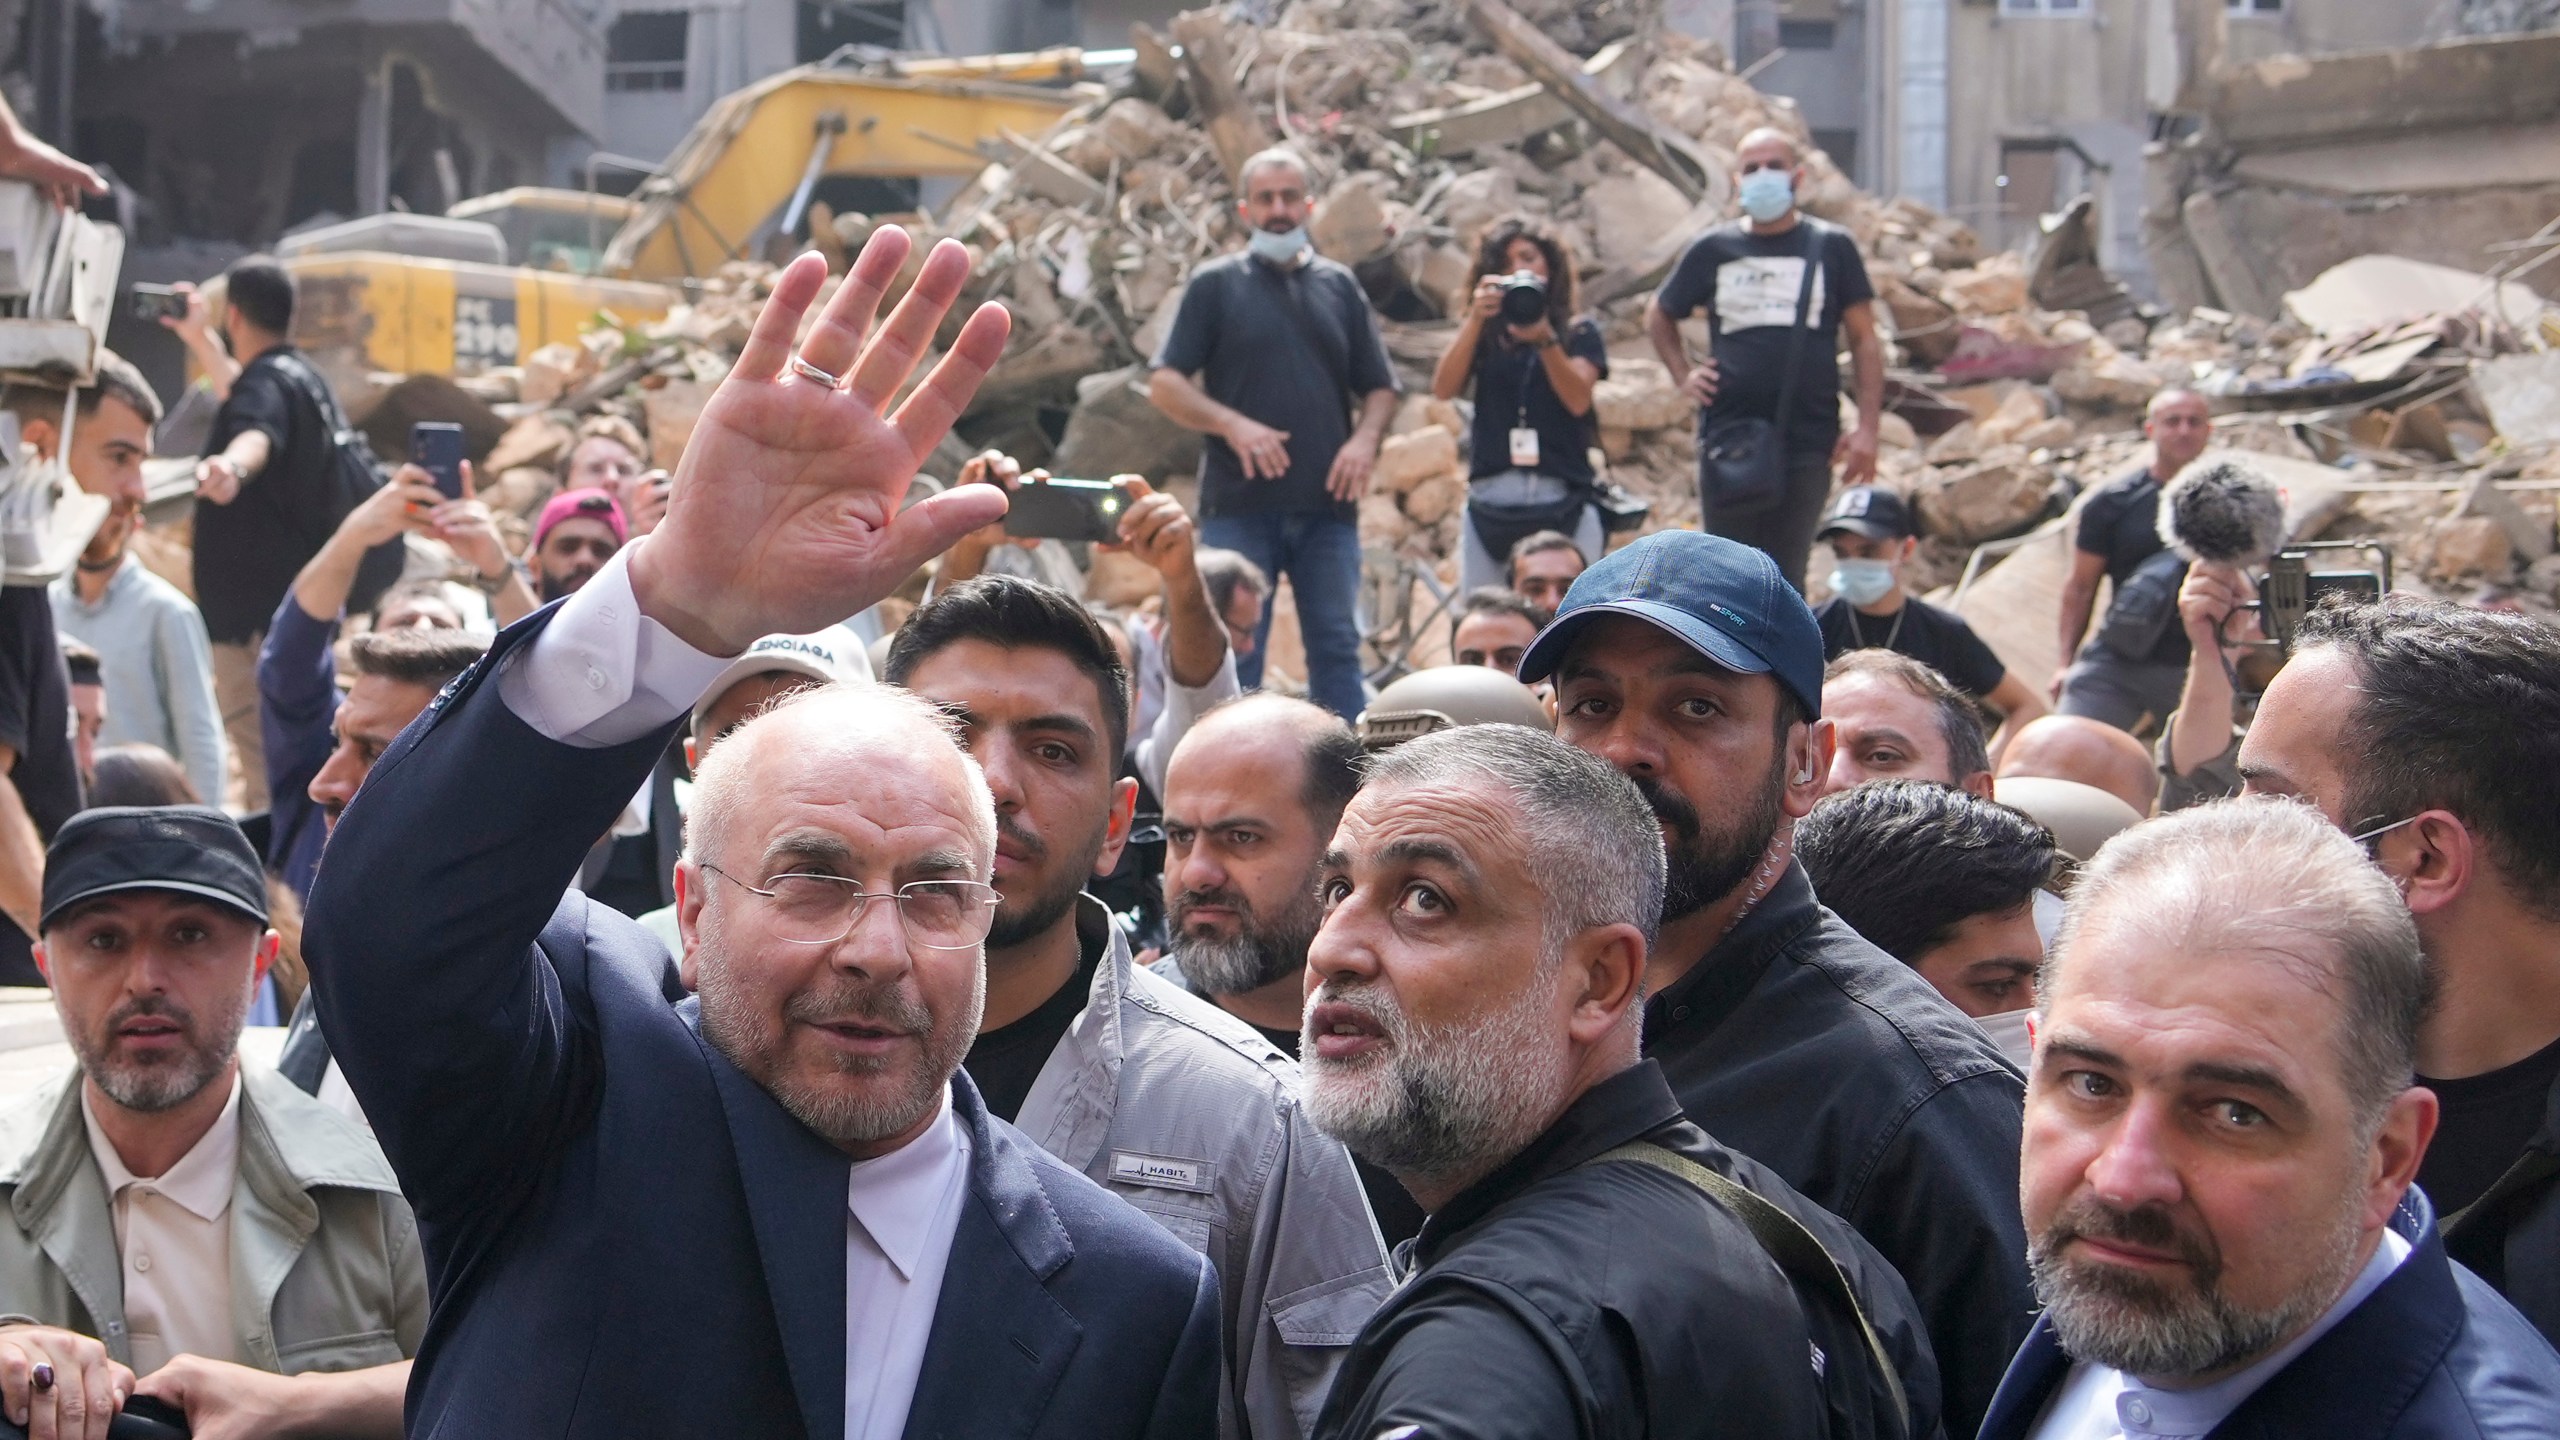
[{"x": 1445, "y": 698}]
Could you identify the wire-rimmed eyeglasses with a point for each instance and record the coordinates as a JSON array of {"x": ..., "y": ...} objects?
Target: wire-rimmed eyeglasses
[{"x": 823, "y": 909}]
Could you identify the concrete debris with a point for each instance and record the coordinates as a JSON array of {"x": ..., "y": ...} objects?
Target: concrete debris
[{"x": 2016, "y": 379}]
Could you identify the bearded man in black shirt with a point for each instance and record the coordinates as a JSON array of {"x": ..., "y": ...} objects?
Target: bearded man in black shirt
[
  {"x": 1594, "y": 1264},
  {"x": 2423, "y": 728}
]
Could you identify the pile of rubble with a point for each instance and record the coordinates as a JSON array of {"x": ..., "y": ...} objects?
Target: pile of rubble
[{"x": 2017, "y": 378}]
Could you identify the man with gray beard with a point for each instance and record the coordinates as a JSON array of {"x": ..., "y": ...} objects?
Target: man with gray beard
[
  {"x": 168, "y": 1212},
  {"x": 1594, "y": 1265},
  {"x": 2222, "y": 1138},
  {"x": 1251, "y": 796}
]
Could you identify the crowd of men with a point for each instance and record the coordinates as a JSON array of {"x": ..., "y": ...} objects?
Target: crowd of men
[{"x": 1689, "y": 1012}]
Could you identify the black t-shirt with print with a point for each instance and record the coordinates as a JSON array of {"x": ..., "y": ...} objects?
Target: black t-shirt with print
[
  {"x": 1512, "y": 389},
  {"x": 1939, "y": 639},
  {"x": 1747, "y": 285}
]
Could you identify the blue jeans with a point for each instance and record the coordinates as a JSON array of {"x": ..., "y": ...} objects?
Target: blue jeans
[{"x": 1321, "y": 557}]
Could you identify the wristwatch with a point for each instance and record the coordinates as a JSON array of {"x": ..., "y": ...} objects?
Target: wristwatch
[{"x": 490, "y": 585}]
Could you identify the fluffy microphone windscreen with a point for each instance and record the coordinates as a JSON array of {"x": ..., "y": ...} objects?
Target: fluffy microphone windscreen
[{"x": 2224, "y": 511}]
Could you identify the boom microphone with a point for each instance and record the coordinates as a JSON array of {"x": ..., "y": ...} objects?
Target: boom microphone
[{"x": 2226, "y": 512}]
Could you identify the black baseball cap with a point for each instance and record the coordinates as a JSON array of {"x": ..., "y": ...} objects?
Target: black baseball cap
[
  {"x": 1724, "y": 599},
  {"x": 1869, "y": 510},
  {"x": 191, "y": 849}
]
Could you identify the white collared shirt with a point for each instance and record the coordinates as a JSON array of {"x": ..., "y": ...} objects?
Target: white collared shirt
[
  {"x": 901, "y": 1212},
  {"x": 173, "y": 1232},
  {"x": 600, "y": 674},
  {"x": 2099, "y": 1403}
]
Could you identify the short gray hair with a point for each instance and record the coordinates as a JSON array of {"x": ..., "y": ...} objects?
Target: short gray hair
[
  {"x": 1264, "y": 159},
  {"x": 1594, "y": 846},
  {"x": 727, "y": 775},
  {"x": 2272, "y": 874}
]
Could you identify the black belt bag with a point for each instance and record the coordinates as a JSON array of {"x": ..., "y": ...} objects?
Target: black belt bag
[
  {"x": 1499, "y": 527},
  {"x": 1742, "y": 460}
]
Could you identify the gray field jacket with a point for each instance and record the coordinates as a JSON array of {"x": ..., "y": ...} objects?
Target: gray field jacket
[
  {"x": 1186, "y": 1113},
  {"x": 325, "y": 1270}
]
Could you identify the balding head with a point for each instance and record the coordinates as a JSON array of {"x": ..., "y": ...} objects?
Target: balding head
[
  {"x": 2092, "y": 752},
  {"x": 850, "y": 1009},
  {"x": 1250, "y": 798},
  {"x": 1768, "y": 142}
]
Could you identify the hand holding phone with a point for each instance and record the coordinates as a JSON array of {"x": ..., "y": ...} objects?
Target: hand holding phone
[
  {"x": 1087, "y": 510},
  {"x": 158, "y": 302},
  {"x": 436, "y": 446}
]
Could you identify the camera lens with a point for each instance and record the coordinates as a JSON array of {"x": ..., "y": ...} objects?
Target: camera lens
[{"x": 1524, "y": 299}]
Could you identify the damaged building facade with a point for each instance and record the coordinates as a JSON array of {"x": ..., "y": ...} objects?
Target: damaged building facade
[
  {"x": 233, "y": 122},
  {"x": 1999, "y": 112}
]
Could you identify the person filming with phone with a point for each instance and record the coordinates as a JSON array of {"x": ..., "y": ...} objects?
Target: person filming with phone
[{"x": 1534, "y": 363}]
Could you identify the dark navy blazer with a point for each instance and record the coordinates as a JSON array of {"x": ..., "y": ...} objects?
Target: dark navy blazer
[
  {"x": 624, "y": 1234},
  {"x": 2432, "y": 1354}
]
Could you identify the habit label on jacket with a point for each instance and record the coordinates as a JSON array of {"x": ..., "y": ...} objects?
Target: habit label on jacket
[{"x": 1161, "y": 1173}]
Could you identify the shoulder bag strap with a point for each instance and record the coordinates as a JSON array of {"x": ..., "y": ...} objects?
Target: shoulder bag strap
[
  {"x": 306, "y": 380},
  {"x": 1794, "y": 1248},
  {"x": 1795, "y": 335},
  {"x": 1294, "y": 296}
]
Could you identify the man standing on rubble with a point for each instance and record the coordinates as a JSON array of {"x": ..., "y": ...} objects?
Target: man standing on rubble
[
  {"x": 2119, "y": 532},
  {"x": 1271, "y": 349},
  {"x": 1750, "y": 276}
]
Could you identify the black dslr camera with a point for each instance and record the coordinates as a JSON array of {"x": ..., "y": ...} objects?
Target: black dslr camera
[{"x": 1524, "y": 298}]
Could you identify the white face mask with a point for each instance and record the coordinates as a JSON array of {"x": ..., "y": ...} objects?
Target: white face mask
[
  {"x": 2008, "y": 1030},
  {"x": 1280, "y": 247},
  {"x": 1863, "y": 582}
]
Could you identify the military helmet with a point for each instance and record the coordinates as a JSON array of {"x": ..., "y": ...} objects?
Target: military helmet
[{"x": 1445, "y": 698}]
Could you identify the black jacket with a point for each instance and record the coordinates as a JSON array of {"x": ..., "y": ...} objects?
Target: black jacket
[
  {"x": 1804, "y": 1047},
  {"x": 1557, "y": 1299},
  {"x": 2511, "y": 1234},
  {"x": 2431, "y": 1354},
  {"x": 625, "y": 1235}
]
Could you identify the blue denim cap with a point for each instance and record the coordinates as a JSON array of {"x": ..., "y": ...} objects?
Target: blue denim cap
[{"x": 1722, "y": 598}]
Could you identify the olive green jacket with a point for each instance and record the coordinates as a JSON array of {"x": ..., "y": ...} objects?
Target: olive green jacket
[{"x": 325, "y": 1271}]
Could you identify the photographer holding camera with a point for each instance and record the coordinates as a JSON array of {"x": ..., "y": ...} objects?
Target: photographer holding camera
[{"x": 1534, "y": 364}]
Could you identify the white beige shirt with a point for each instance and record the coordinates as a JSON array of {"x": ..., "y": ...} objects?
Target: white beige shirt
[{"x": 173, "y": 1231}]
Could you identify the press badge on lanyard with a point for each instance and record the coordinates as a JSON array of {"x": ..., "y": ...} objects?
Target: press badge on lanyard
[{"x": 1524, "y": 436}]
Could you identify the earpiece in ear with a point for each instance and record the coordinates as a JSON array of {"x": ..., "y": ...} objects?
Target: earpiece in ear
[{"x": 1805, "y": 776}]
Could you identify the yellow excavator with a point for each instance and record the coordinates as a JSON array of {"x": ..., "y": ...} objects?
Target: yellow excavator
[{"x": 505, "y": 274}]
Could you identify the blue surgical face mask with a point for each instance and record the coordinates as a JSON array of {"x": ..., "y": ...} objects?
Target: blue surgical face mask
[
  {"x": 1282, "y": 247},
  {"x": 1768, "y": 194},
  {"x": 1863, "y": 582}
]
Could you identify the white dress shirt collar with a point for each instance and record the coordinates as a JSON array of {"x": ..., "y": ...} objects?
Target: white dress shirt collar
[
  {"x": 200, "y": 1182},
  {"x": 2096, "y": 1402},
  {"x": 896, "y": 1197}
]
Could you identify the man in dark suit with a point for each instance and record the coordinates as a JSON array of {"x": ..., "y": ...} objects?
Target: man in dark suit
[
  {"x": 774, "y": 1210},
  {"x": 2221, "y": 1137}
]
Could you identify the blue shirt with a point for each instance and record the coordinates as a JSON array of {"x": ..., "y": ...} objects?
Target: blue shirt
[{"x": 297, "y": 716}]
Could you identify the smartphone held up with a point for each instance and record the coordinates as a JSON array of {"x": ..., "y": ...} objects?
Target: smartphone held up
[
  {"x": 436, "y": 446},
  {"x": 1087, "y": 510}
]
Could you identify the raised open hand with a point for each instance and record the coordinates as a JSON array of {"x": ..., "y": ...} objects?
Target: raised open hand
[{"x": 785, "y": 516}]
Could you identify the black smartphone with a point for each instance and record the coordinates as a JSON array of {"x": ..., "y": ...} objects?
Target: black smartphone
[
  {"x": 1066, "y": 510},
  {"x": 153, "y": 302},
  {"x": 435, "y": 446}
]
